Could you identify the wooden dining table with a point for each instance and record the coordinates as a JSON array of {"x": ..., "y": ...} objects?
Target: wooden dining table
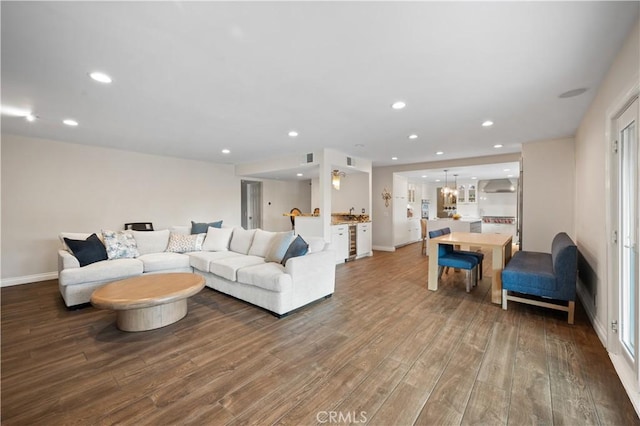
[{"x": 500, "y": 245}]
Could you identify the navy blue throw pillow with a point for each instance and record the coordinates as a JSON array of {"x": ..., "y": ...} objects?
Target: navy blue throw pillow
[
  {"x": 87, "y": 251},
  {"x": 202, "y": 228},
  {"x": 298, "y": 247}
]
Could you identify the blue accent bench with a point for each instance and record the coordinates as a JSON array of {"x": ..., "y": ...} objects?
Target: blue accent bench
[{"x": 546, "y": 275}]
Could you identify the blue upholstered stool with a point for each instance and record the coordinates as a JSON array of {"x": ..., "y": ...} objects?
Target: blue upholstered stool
[{"x": 476, "y": 254}]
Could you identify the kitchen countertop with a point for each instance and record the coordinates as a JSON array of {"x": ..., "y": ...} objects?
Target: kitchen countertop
[{"x": 464, "y": 219}]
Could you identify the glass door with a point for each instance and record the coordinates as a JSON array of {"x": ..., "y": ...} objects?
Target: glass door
[{"x": 626, "y": 234}]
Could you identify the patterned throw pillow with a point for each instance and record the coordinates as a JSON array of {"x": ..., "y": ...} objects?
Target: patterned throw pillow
[
  {"x": 120, "y": 245},
  {"x": 179, "y": 243}
]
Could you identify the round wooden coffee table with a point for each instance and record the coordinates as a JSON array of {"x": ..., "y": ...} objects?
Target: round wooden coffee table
[{"x": 148, "y": 301}]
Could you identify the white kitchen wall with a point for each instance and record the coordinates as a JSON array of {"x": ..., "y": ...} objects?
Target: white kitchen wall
[{"x": 50, "y": 187}]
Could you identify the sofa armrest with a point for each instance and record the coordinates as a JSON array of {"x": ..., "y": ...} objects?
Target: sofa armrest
[
  {"x": 313, "y": 273},
  {"x": 66, "y": 260}
]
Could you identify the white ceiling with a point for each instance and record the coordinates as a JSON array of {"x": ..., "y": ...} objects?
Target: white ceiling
[
  {"x": 465, "y": 173},
  {"x": 192, "y": 78}
]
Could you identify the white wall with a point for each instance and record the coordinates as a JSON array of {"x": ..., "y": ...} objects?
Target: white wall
[
  {"x": 592, "y": 152},
  {"x": 354, "y": 192},
  {"x": 50, "y": 186},
  {"x": 548, "y": 187},
  {"x": 280, "y": 197}
]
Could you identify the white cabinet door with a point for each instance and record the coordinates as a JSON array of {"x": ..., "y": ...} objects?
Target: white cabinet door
[
  {"x": 363, "y": 239},
  {"x": 340, "y": 242}
]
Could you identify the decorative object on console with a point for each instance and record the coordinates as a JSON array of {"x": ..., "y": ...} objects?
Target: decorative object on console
[
  {"x": 179, "y": 243},
  {"x": 386, "y": 196},
  {"x": 138, "y": 226},
  {"x": 201, "y": 228},
  {"x": 87, "y": 251},
  {"x": 336, "y": 175},
  {"x": 120, "y": 245}
]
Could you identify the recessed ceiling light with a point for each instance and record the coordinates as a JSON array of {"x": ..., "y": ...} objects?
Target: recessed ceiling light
[
  {"x": 30, "y": 118},
  {"x": 226, "y": 151},
  {"x": 509, "y": 175},
  {"x": 572, "y": 93},
  {"x": 70, "y": 122},
  {"x": 439, "y": 153},
  {"x": 474, "y": 178},
  {"x": 506, "y": 170},
  {"x": 299, "y": 175},
  {"x": 100, "y": 77},
  {"x": 398, "y": 105},
  {"x": 424, "y": 176},
  {"x": 437, "y": 180},
  {"x": 394, "y": 158},
  {"x": 293, "y": 134},
  {"x": 413, "y": 136},
  {"x": 487, "y": 123},
  {"x": 498, "y": 145}
]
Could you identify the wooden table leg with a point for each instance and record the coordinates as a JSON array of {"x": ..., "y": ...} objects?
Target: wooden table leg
[
  {"x": 143, "y": 319},
  {"x": 432, "y": 283}
]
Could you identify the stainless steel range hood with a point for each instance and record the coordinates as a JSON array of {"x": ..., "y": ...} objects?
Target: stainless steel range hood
[{"x": 498, "y": 185}]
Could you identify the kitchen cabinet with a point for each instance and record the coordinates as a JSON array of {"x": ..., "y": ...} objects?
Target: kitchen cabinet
[
  {"x": 467, "y": 194},
  {"x": 363, "y": 239},
  {"x": 462, "y": 225},
  {"x": 340, "y": 242}
]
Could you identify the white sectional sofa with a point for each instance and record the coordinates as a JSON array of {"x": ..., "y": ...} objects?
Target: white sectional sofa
[{"x": 241, "y": 263}]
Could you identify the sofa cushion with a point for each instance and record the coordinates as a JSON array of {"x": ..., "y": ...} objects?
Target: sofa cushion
[
  {"x": 298, "y": 247},
  {"x": 151, "y": 241},
  {"x": 106, "y": 270},
  {"x": 202, "y": 259},
  {"x": 261, "y": 243},
  {"x": 228, "y": 267},
  {"x": 529, "y": 270},
  {"x": 201, "y": 228},
  {"x": 217, "y": 239},
  {"x": 279, "y": 245},
  {"x": 75, "y": 236},
  {"x": 154, "y": 262},
  {"x": 241, "y": 240},
  {"x": 316, "y": 244},
  {"x": 87, "y": 251},
  {"x": 179, "y": 243},
  {"x": 270, "y": 276},
  {"x": 120, "y": 245}
]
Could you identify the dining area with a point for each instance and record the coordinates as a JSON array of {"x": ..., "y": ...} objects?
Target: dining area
[{"x": 459, "y": 250}]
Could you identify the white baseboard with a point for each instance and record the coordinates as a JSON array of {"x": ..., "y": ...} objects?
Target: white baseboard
[
  {"x": 384, "y": 248},
  {"x": 7, "y": 282},
  {"x": 628, "y": 380},
  {"x": 600, "y": 329}
]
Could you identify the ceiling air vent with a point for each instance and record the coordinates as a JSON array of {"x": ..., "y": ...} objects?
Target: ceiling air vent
[
  {"x": 307, "y": 158},
  {"x": 351, "y": 162}
]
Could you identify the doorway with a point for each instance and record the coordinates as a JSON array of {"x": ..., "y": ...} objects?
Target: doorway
[{"x": 251, "y": 204}]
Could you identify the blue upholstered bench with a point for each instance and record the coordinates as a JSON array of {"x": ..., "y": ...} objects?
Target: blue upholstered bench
[{"x": 545, "y": 275}]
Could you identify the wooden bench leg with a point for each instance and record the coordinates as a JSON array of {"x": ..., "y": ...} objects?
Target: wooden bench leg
[
  {"x": 572, "y": 307},
  {"x": 504, "y": 299}
]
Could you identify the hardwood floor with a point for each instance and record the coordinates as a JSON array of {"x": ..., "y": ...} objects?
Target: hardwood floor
[{"x": 383, "y": 350}]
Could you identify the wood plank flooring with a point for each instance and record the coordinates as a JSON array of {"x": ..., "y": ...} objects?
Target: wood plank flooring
[{"x": 382, "y": 351}]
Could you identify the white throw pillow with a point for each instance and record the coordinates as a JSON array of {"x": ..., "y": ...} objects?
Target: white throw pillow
[
  {"x": 279, "y": 245},
  {"x": 217, "y": 239},
  {"x": 179, "y": 243},
  {"x": 316, "y": 244},
  {"x": 261, "y": 243},
  {"x": 151, "y": 241},
  {"x": 183, "y": 230},
  {"x": 120, "y": 245},
  {"x": 241, "y": 240}
]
